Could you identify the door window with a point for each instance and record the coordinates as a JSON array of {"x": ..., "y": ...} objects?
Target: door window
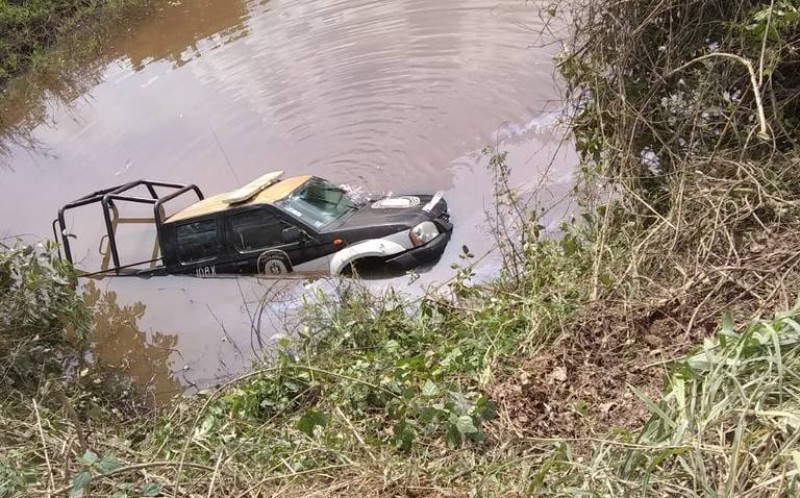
[
  {"x": 256, "y": 229},
  {"x": 197, "y": 241}
]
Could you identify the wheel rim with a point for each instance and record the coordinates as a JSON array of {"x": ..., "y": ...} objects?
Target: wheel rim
[{"x": 274, "y": 267}]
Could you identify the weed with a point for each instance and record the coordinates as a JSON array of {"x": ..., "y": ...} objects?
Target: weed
[
  {"x": 40, "y": 314},
  {"x": 727, "y": 425}
]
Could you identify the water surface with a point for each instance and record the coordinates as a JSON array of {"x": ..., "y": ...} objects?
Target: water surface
[{"x": 383, "y": 96}]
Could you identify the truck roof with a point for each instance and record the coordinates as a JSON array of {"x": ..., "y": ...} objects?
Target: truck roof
[{"x": 217, "y": 203}]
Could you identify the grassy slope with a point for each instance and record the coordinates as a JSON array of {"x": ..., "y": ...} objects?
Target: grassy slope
[
  {"x": 29, "y": 28},
  {"x": 567, "y": 376}
]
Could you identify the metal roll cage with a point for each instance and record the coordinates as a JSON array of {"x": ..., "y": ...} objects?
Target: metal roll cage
[{"x": 108, "y": 198}]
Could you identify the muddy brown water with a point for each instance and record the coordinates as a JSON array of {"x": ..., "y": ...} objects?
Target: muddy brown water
[{"x": 383, "y": 96}]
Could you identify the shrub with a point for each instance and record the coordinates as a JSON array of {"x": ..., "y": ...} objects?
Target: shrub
[{"x": 43, "y": 321}]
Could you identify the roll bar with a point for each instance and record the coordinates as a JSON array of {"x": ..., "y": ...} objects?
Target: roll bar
[{"x": 108, "y": 198}]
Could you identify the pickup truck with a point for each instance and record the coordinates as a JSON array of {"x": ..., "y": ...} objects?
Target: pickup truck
[{"x": 274, "y": 225}]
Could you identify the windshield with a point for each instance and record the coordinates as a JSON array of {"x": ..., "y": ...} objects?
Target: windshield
[{"x": 318, "y": 203}]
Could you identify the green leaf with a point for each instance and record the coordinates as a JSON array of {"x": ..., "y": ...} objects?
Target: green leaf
[
  {"x": 310, "y": 420},
  {"x": 654, "y": 408},
  {"x": 204, "y": 429},
  {"x": 465, "y": 426},
  {"x": 485, "y": 408},
  {"x": 430, "y": 389},
  {"x": 581, "y": 408},
  {"x": 452, "y": 436},
  {"x": 404, "y": 435},
  {"x": 80, "y": 484},
  {"x": 89, "y": 458},
  {"x": 727, "y": 323},
  {"x": 151, "y": 489},
  {"x": 679, "y": 390},
  {"x": 108, "y": 464},
  {"x": 391, "y": 346},
  {"x": 569, "y": 245},
  {"x": 451, "y": 357}
]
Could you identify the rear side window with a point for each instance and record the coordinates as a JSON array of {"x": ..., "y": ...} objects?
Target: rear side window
[
  {"x": 257, "y": 229},
  {"x": 197, "y": 241}
]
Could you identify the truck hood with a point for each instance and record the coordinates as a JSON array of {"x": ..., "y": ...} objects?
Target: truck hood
[{"x": 396, "y": 212}]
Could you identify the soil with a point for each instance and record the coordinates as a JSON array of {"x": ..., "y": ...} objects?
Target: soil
[{"x": 586, "y": 383}]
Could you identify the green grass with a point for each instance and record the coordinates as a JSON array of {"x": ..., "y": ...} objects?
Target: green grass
[
  {"x": 726, "y": 425},
  {"x": 29, "y": 28}
]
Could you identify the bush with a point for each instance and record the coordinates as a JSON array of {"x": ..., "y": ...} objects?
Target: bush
[
  {"x": 660, "y": 83},
  {"x": 43, "y": 321}
]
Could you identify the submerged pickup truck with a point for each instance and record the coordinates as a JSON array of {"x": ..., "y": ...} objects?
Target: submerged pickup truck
[{"x": 274, "y": 225}]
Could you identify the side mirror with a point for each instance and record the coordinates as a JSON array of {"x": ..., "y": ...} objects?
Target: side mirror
[{"x": 290, "y": 235}]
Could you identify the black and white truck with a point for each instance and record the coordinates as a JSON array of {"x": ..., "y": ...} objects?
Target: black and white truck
[{"x": 274, "y": 225}]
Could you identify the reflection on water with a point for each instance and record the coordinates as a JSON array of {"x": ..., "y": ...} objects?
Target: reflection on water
[
  {"x": 167, "y": 35},
  {"x": 390, "y": 96},
  {"x": 29, "y": 103},
  {"x": 123, "y": 350},
  {"x": 163, "y": 35}
]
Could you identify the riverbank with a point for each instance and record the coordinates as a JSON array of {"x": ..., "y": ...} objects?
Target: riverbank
[
  {"x": 624, "y": 358},
  {"x": 52, "y": 50},
  {"x": 28, "y": 30}
]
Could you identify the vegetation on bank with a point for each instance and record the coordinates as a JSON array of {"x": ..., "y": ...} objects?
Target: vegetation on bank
[
  {"x": 606, "y": 362},
  {"x": 29, "y": 28},
  {"x": 53, "y": 50}
]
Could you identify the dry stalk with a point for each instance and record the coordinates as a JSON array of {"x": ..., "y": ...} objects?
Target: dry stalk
[
  {"x": 44, "y": 444},
  {"x": 214, "y": 475},
  {"x": 762, "y": 118}
]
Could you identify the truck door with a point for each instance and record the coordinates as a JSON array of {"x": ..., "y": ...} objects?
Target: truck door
[
  {"x": 199, "y": 246},
  {"x": 255, "y": 231}
]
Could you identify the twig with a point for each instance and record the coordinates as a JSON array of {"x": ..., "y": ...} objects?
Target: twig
[
  {"x": 355, "y": 433},
  {"x": 44, "y": 445},
  {"x": 138, "y": 466},
  {"x": 764, "y": 44},
  {"x": 214, "y": 476},
  {"x": 227, "y": 161},
  {"x": 762, "y": 118},
  {"x": 289, "y": 475},
  {"x": 74, "y": 417}
]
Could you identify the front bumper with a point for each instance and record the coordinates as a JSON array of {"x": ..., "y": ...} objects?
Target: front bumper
[{"x": 428, "y": 253}]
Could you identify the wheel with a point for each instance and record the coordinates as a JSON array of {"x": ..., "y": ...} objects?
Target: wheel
[{"x": 272, "y": 265}]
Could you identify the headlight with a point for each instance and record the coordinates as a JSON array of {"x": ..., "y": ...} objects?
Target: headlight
[{"x": 423, "y": 233}]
